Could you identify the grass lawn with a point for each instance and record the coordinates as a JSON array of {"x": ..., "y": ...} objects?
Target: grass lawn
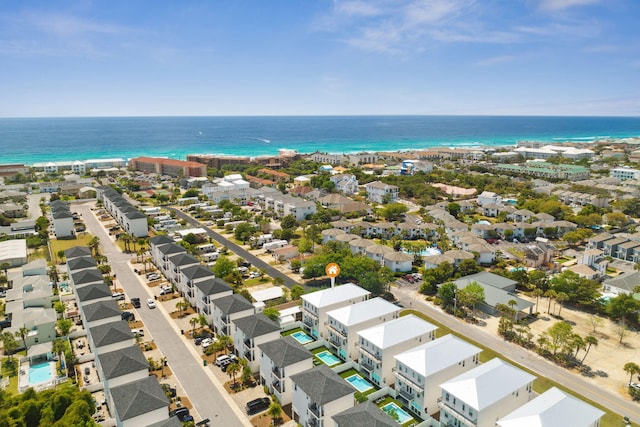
[
  {"x": 292, "y": 331},
  {"x": 63, "y": 245},
  {"x": 388, "y": 399},
  {"x": 540, "y": 384},
  {"x": 346, "y": 374}
]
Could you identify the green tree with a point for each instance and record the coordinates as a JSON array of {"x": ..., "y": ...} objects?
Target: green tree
[
  {"x": 22, "y": 333},
  {"x": 272, "y": 313},
  {"x": 94, "y": 245},
  {"x": 244, "y": 231},
  {"x": 232, "y": 371},
  {"x": 447, "y": 293},
  {"x": 223, "y": 267},
  {"x": 632, "y": 369},
  {"x": 227, "y": 342},
  {"x": 289, "y": 222},
  {"x": 393, "y": 211},
  {"x": 623, "y": 307},
  {"x": 275, "y": 412},
  {"x": 590, "y": 341},
  {"x": 64, "y": 326},
  {"x": 471, "y": 295},
  {"x": 296, "y": 292},
  {"x": 181, "y": 306},
  {"x": 9, "y": 343}
]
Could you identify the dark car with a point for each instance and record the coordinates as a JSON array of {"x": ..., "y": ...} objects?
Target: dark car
[
  {"x": 257, "y": 405},
  {"x": 135, "y": 302},
  {"x": 128, "y": 316},
  {"x": 182, "y": 414}
]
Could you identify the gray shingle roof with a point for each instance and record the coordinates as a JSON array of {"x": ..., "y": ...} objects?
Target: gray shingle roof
[
  {"x": 196, "y": 272},
  {"x": 111, "y": 333},
  {"x": 184, "y": 259},
  {"x": 101, "y": 310},
  {"x": 171, "y": 248},
  {"x": 170, "y": 422},
  {"x": 122, "y": 362},
  {"x": 213, "y": 286},
  {"x": 139, "y": 397},
  {"x": 256, "y": 325},
  {"x": 322, "y": 385},
  {"x": 77, "y": 251},
  {"x": 80, "y": 263},
  {"x": 364, "y": 415},
  {"x": 160, "y": 240},
  {"x": 232, "y": 304},
  {"x": 91, "y": 292},
  {"x": 626, "y": 281},
  {"x": 285, "y": 351},
  {"x": 86, "y": 276}
]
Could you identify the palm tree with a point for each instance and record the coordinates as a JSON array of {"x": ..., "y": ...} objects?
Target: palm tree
[
  {"x": 537, "y": 292},
  {"x": 202, "y": 320},
  {"x": 181, "y": 306},
  {"x": 632, "y": 369},
  {"x": 163, "y": 361},
  {"x": 589, "y": 340},
  {"x": 94, "y": 245},
  {"x": 226, "y": 341},
  {"x": 193, "y": 322},
  {"x": 232, "y": 370},
  {"x": 22, "y": 333},
  {"x": 275, "y": 412},
  {"x": 551, "y": 294},
  {"x": 561, "y": 297},
  {"x": 4, "y": 267}
]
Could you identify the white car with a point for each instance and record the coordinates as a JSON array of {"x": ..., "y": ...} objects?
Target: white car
[
  {"x": 165, "y": 290},
  {"x": 118, "y": 296},
  {"x": 137, "y": 332},
  {"x": 151, "y": 303},
  {"x": 206, "y": 343}
]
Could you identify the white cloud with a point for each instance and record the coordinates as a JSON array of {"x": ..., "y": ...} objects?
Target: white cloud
[
  {"x": 564, "y": 4},
  {"x": 497, "y": 60},
  {"x": 356, "y": 8}
]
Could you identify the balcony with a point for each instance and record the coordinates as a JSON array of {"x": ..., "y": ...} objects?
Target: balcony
[
  {"x": 308, "y": 322},
  {"x": 315, "y": 410},
  {"x": 277, "y": 372},
  {"x": 338, "y": 332},
  {"x": 278, "y": 386},
  {"x": 247, "y": 343},
  {"x": 372, "y": 354},
  {"x": 335, "y": 341},
  {"x": 367, "y": 364},
  {"x": 455, "y": 415},
  {"x": 312, "y": 422},
  {"x": 411, "y": 382},
  {"x": 406, "y": 394},
  {"x": 248, "y": 355}
]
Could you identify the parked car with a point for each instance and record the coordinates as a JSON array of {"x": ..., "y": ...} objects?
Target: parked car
[
  {"x": 128, "y": 316},
  {"x": 118, "y": 296},
  {"x": 166, "y": 290},
  {"x": 137, "y": 332},
  {"x": 151, "y": 303},
  {"x": 182, "y": 414},
  {"x": 153, "y": 276},
  {"x": 135, "y": 302},
  {"x": 257, "y": 405},
  {"x": 206, "y": 343},
  {"x": 220, "y": 360}
]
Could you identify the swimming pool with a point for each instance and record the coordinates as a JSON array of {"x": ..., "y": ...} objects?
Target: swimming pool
[
  {"x": 426, "y": 252},
  {"x": 301, "y": 337},
  {"x": 40, "y": 373},
  {"x": 403, "y": 417},
  {"x": 359, "y": 383},
  {"x": 328, "y": 358}
]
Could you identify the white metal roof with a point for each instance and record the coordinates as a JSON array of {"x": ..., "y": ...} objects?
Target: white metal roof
[
  {"x": 396, "y": 331},
  {"x": 335, "y": 295},
  {"x": 363, "y": 311},
  {"x": 487, "y": 384},
  {"x": 435, "y": 356}
]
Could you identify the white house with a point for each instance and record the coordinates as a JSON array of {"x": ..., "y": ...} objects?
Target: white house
[
  {"x": 316, "y": 305},
  {"x": 380, "y": 192},
  {"x": 100, "y": 313},
  {"x": 110, "y": 337},
  {"x": 318, "y": 394},
  {"x": 208, "y": 291},
  {"x": 122, "y": 366},
  {"x": 420, "y": 371},
  {"x": 251, "y": 331},
  {"x": 488, "y": 197},
  {"x": 346, "y": 183},
  {"x": 229, "y": 308},
  {"x": 344, "y": 323},
  {"x": 398, "y": 261},
  {"x": 279, "y": 360},
  {"x": 553, "y": 408},
  {"x": 378, "y": 344},
  {"x": 479, "y": 397},
  {"x": 139, "y": 403}
]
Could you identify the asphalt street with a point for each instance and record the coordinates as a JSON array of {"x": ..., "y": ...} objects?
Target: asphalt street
[
  {"x": 524, "y": 357},
  {"x": 207, "y": 399}
]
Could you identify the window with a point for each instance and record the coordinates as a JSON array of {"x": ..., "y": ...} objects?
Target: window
[{"x": 446, "y": 397}]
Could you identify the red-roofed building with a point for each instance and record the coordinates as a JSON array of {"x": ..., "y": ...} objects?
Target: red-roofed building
[{"x": 168, "y": 166}]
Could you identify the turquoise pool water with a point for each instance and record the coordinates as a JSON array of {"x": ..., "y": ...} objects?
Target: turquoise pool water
[
  {"x": 403, "y": 417},
  {"x": 302, "y": 337},
  {"x": 426, "y": 252},
  {"x": 359, "y": 383},
  {"x": 328, "y": 358},
  {"x": 39, "y": 373}
]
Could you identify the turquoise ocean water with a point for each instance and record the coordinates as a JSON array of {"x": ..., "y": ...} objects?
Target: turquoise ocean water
[{"x": 53, "y": 139}]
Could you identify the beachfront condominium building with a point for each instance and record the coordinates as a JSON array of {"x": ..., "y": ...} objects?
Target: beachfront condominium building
[
  {"x": 316, "y": 305},
  {"x": 279, "y": 360},
  {"x": 379, "y": 192},
  {"x": 553, "y": 408},
  {"x": 345, "y": 323},
  {"x": 170, "y": 167},
  {"x": 479, "y": 397},
  {"x": 318, "y": 394},
  {"x": 251, "y": 331},
  {"x": 377, "y": 345},
  {"x": 420, "y": 371}
]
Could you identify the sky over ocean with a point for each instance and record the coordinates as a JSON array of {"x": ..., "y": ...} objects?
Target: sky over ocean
[{"x": 54, "y": 139}]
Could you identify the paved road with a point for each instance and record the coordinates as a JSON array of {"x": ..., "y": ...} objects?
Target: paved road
[
  {"x": 195, "y": 379},
  {"x": 238, "y": 250},
  {"x": 523, "y": 357}
]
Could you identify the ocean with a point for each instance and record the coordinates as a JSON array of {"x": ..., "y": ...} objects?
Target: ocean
[{"x": 32, "y": 140}]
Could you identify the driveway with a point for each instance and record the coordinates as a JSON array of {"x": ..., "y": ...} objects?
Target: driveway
[{"x": 205, "y": 393}]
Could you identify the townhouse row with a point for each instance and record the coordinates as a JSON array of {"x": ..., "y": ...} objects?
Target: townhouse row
[
  {"x": 624, "y": 248},
  {"x": 134, "y": 397},
  {"x": 130, "y": 219}
]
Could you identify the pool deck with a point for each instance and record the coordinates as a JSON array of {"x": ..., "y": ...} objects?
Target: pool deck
[{"x": 23, "y": 377}]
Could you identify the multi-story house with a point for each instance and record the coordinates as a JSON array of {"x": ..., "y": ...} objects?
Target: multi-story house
[
  {"x": 420, "y": 371},
  {"x": 318, "y": 394},
  {"x": 129, "y": 218},
  {"x": 316, "y": 305},
  {"x": 229, "y": 308},
  {"x": 100, "y": 313},
  {"x": 122, "y": 366},
  {"x": 94, "y": 293},
  {"x": 176, "y": 263},
  {"x": 344, "y": 323},
  {"x": 110, "y": 337},
  {"x": 139, "y": 403},
  {"x": 279, "y": 360},
  {"x": 479, "y": 397},
  {"x": 379, "y": 192},
  {"x": 189, "y": 277},
  {"x": 553, "y": 408},
  {"x": 62, "y": 219},
  {"x": 89, "y": 276},
  {"x": 206, "y": 292},
  {"x": 346, "y": 183},
  {"x": 81, "y": 263},
  {"x": 251, "y": 331},
  {"x": 378, "y": 344},
  {"x": 366, "y": 414},
  {"x": 77, "y": 252},
  {"x": 155, "y": 243}
]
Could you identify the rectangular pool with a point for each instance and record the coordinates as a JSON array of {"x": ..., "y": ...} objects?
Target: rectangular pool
[
  {"x": 40, "y": 373},
  {"x": 403, "y": 417},
  {"x": 302, "y": 337},
  {"x": 359, "y": 383},
  {"x": 328, "y": 358}
]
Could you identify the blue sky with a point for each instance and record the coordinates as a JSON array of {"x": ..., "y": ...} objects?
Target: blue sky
[{"x": 319, "y": 57}]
